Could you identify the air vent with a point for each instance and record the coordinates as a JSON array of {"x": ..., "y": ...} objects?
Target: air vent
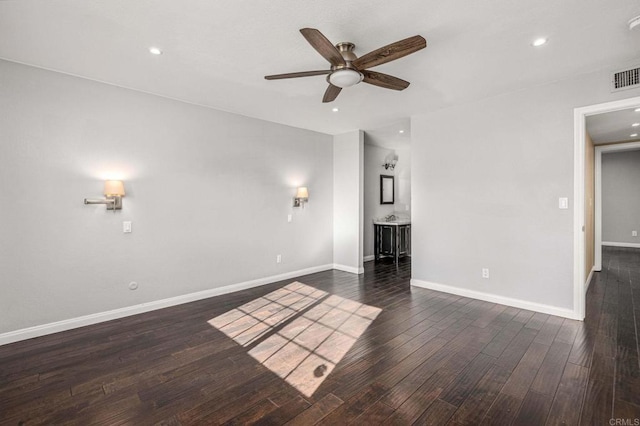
[{"x": 627, "y": 79}]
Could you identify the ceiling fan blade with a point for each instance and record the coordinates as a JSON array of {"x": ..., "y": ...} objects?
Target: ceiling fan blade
[
  {"x": 324, "y": 47},
  {"x": 384, "y": 80},
  {"x": 390, "y": 52},
  {"x": 296, "y": 74},
  {"x": 331, "y": 93}
]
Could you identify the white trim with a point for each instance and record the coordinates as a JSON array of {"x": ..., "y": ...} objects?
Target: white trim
[
  {"x": 71, "y": 323},
  {"x": 612, "y": 244},
  {"x": 350, "y": 269},
  {"x": 494, "y": 298},
  {"x": 586, "y": 284},
  {"x": 369, "y": 258},
  {"x": 598, "y": 204},
  {"x": 579, "y": 129},
  {"x": 597, "y": 210}
]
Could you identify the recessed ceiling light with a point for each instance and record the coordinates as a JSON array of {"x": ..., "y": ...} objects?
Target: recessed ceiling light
[
  {"x": 635, "y": 125},
  {"x": 539, "y": 42},
  {"x": 335, "y": 110},
  {"x": 633, "y": 135},
  {"x": 401, "y": 131},
  {"x": 155, "y": 51},
  {"x": 637, "y": 110}
]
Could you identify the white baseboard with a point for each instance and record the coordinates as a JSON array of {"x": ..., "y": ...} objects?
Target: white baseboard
[
  {"x": 368, "y": 258},
  {"x": 612, "y": 244},
  {"x": 494, "y": 298},
  {"x": 349, "y": 269},
  {"x": 68, "y": 324},
  {"x": 588, "y": 282}
]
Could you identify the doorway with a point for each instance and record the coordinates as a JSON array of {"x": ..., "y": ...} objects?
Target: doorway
[
  {"x": 583, "y": 204},
  {"x": 387, "y": 192}
]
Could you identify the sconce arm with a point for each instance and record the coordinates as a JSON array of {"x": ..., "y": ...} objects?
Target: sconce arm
[{"x": 99, "y": 201}]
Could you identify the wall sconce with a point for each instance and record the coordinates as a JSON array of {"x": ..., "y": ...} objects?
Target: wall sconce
[
  {"x": 113, "y": 191},
  {"x": 302, "y": 196},
  {"x": 390, "y": 162}
]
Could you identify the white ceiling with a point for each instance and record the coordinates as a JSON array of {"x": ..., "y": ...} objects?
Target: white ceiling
[
  {"x": 616, "y": 126},
  {"x": 393, "y": 136},
  {"x": 217, "y": 52}
]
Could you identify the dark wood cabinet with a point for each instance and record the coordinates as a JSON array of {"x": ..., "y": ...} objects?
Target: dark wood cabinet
[{"x": 392, "y": 240}]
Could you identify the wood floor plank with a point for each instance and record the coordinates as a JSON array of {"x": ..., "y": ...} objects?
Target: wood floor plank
[
  {"x": 534, "y": 410},
  {"x": 317, "y": 411},
  {"x": 567, "y": 403},
  {"x": 474, "y": 408},
  {"x": 548, "y": 377}
]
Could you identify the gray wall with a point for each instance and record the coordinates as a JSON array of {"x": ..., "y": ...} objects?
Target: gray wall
[
  {"x": 620, "y": 196},
  {"x": 485, "y": 195},
  {"x": 208, "y": 194},
  {"x": 348, "y": 201}
]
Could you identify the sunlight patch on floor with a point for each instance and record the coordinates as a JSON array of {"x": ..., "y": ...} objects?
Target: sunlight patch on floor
[{"x": 311, "y": 341}]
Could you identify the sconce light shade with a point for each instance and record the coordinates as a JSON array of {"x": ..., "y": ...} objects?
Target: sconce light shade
[
  {"x": 303, "y": 192},
  {"x": 302, "y": 196},
  {"x": 113, "y": 192},
  {"x": 114, "y": 187}
]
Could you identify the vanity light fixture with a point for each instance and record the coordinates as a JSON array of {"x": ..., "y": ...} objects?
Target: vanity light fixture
[
  {"x": 390, "y": 162},
  {"x": 113, "y": 192},
  {"x": 302, "y": 196}
]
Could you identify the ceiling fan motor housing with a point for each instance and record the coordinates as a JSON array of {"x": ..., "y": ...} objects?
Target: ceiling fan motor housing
[{"x": 345, "y": 75}]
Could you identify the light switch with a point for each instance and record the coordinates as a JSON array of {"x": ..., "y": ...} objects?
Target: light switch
[
  {"x": 289, "y": 218},
  {"x": 634, "y": 233},
  {"x": 126, "y": 227},
  {"x": 563, "y": 203}
]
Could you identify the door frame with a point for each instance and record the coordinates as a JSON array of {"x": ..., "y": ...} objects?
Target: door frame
[
  {"x": 579, "y": 129},
  {"x": 599, "y": 150}
]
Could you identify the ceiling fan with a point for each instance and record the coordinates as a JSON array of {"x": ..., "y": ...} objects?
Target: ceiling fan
[{"x": 348, "y": 70}]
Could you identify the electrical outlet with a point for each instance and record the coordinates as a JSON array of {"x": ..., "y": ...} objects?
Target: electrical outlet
[
  {"x": 279, "y": 258},
  {"x": 485, "y": 272},
  {"x": 634, "y": 233},
  {"x": 126, "y": 227}
]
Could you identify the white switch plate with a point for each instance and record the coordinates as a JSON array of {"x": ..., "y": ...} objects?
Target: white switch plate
[
  {"x": 563, "y": 203},
  {"x": 289, "y": 218},
  {"x": 126, "y": 227},
  {"x": 279, "y": 258},
  {"x": 634, "y": 233}
]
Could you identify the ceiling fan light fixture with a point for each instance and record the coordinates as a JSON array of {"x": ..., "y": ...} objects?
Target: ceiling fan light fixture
[{"x": 345, "y": 78}]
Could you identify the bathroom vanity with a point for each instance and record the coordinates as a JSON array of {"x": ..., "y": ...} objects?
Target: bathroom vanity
[{"x": 392, "y": 238}]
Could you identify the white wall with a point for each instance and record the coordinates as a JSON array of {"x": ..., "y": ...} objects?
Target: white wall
[
  {"x": 374, "y": 157},
  {"x": 620, "y": 196},
  {"x": 348, "y": 201},
  {"x": 485, "y": 195},
  {"x": 208, "y": 194}
]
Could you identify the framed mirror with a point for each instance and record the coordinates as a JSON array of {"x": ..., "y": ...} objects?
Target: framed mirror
[{"x": 387, "y": 189}]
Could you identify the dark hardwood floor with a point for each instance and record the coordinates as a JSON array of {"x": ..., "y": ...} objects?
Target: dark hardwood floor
[{"x": 428, "y": 358}]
